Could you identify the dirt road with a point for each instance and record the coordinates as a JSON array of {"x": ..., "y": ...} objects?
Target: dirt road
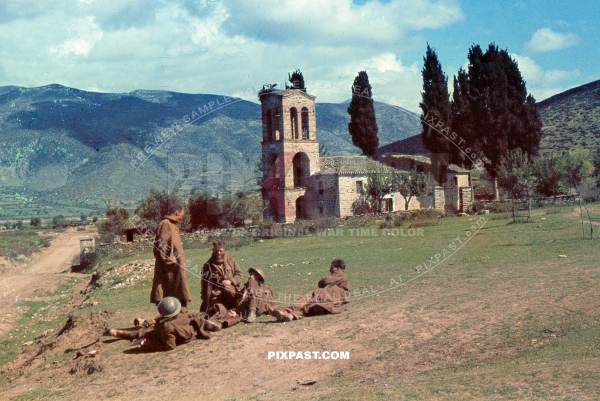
[{"x": 39, "y": 275}]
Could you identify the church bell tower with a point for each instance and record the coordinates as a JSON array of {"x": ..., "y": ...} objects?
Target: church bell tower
[{"x": 290, "y": 153}]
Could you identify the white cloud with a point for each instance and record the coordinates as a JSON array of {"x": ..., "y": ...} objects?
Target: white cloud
[
  {"x": 218, "y": 47},
  {"x": 83, "y": 33},
  {"x": 545, "y": 40},
  {"x": 337, "y": 22},
  {"x": 544, "y": 83}
]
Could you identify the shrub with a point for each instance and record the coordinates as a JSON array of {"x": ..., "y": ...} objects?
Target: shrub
[{"x": 89, "y": 261}]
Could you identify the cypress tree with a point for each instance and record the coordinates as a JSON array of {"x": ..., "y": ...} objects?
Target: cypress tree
[
  {"x": 436, "y": 119},
  {"x": 363, "y": 126},
  {"x": 501, "y": 116},
  {"x": 461, "y": 118}
]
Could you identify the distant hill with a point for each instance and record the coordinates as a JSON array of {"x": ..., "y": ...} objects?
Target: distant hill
[
  {"x": 410, "y": 146},
  {"x": 570, "y": 119},
  {"x": 64, "y": 143}
]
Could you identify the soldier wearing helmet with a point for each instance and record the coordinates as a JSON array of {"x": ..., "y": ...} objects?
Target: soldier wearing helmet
[
  {"x": 259, "y": 296},
  {"x": 174, "y": 326},
  {"x": 256, "y": 299}
]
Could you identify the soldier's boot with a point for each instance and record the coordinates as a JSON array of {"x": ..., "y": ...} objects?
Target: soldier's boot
[
  {"x": 282, "y": 316},
  {"x": 251, "y": 316},
  {"x": 139, "y": 322},
  {"x": 210, "y": 325}
]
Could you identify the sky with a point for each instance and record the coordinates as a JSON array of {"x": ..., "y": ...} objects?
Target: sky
[{"x": 233, "y": 47}]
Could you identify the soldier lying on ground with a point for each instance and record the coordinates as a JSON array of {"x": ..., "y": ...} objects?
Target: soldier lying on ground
[
  {"x": 256, "y": 300},
  {"x": 332, "y": 296},
  {"x": 175, "y": 326}
]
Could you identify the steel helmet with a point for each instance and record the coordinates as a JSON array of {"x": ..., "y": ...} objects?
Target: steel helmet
[
  {"x": 169, "y": 307},
  {"x": 257, "y": 271}
]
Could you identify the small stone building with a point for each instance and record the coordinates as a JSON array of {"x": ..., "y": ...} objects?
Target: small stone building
[
  {"x": 457, "y": 190},
  {"x": 298, "y": 183}
]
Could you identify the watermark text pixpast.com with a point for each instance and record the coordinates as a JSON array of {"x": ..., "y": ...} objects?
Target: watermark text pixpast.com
[{"x": 314, "y": 355}]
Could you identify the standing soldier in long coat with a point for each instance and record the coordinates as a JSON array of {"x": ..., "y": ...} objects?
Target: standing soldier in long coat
[
  {"x": 332, "y": 296},
  {"x": 170, "y": 278},
  {"x": 221, "y": 278}
]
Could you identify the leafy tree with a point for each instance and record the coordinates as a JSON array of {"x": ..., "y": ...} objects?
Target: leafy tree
[
  {"x": 579, "y": 167},
  {"x": 115, "y": 223},
  {"x": 516, "y": 174},
  {"x": 363, "y": 126},
  {"x": 156, "y": 205},
  {"x": 596, "y": 163},
  {"x": 236, "y": 209},
  {"x": 500, "y": 116},
  {"x": 209, "y": 212},
  {"x": 205, "y": 211},
  {"x": 549, "y": 174},
  {"x": 379, "y": 184},
  {"x": 83, "y": 217},
  {"x": 297, "y": 80},
  {"x": 35, "y": 222},
  {"x": 436, "y": 108},
  {"x": 410, "y": 184}
]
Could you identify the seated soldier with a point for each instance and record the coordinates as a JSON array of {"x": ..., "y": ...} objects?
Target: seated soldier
[
  {"x": 256, "y": 300},
  {"x": 332, "y": 296},
  {"x": 221, "y": 278},
  {"x": 175, "y": 326}
]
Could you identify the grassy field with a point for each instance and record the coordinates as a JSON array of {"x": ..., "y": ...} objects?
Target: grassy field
[
  {"x": 471, "y": 308},
  {"x": 20, "y": 244}
]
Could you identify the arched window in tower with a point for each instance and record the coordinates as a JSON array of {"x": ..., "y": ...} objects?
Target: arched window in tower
[
  {"x": 277, "y": 132},
  {"x": 294, "y": 122},
  {"x": 305, "y": 134},
  {"x": 301, "y": 169},
  {"x": 269, "y": 126}
]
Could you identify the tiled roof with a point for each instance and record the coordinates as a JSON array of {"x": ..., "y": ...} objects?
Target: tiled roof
[
  {"x": 424, "y": 160},
  {"x": 350, "y": 165}
]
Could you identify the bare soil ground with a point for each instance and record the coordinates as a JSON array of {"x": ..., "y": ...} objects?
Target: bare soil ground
[
  {"x": 414, "y": 333},
  {"x": 41, "y": 274}
]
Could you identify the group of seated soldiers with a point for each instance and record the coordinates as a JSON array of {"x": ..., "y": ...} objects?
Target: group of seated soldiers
[{"x": 224, "y": 302}]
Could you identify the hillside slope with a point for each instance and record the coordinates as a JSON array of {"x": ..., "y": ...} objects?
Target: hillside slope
[
  {"x": 571, "y": 119},
  {"x": 71, "y": 144}
]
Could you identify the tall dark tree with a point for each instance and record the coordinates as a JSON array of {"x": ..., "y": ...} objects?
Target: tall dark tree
[
  {"x": 205, "y": 211},
  {"x": 461, "y": 118},
  {"x": 363, "y": 126},
  {"x": 501, "y": 115},
  {"x": 437, "y": 116}
]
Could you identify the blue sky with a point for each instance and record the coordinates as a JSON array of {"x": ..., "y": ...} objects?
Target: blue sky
[{"x": 232, "y": 46}]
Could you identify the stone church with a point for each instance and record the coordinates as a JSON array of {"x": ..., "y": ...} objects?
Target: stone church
[{"x": 298, "y": 183}]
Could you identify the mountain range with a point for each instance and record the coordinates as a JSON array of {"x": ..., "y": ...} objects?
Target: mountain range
[{"x": 64, "y": 143}]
